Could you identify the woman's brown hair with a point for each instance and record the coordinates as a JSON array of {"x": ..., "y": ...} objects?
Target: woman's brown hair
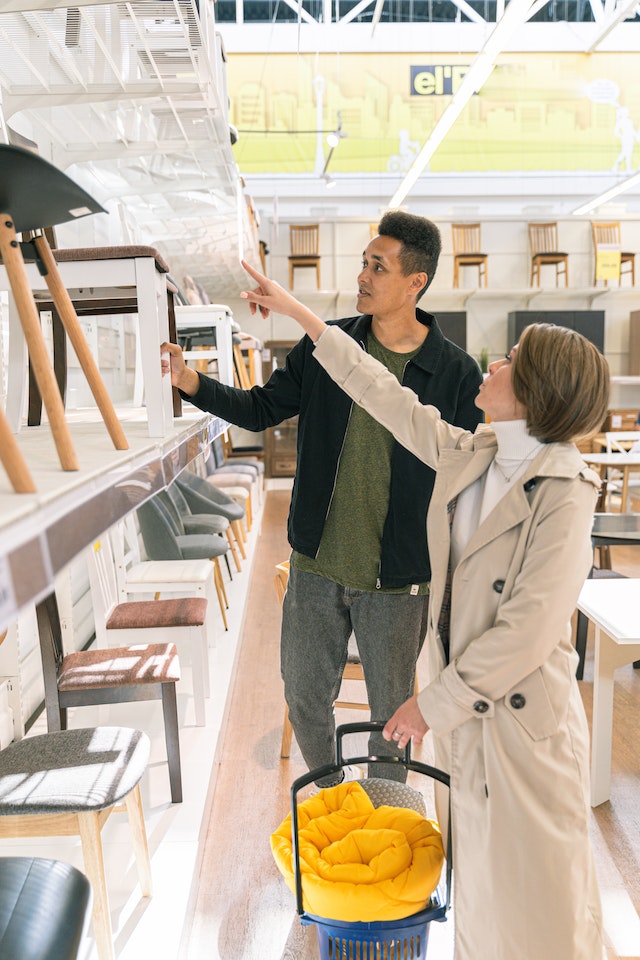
[{"x": 563, "y": 381}]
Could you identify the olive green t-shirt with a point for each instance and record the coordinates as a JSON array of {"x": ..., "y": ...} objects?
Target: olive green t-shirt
[{"x": 349, "y": 551}]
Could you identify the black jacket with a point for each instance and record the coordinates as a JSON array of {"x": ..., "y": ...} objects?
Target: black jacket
[{"x": 440, "y": 374}]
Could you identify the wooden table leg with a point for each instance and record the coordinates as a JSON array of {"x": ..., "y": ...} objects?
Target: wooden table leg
[
  {"x": 69, "y": 317},
  {"x": 30, "y": 320},
  {"x": 624, "y": 496}
]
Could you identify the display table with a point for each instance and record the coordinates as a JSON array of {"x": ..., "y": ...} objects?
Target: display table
[{"x": 613, "y": 607}]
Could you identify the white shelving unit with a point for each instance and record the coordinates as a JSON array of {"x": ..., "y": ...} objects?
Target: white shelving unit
[{"x": 41, "y": 534}]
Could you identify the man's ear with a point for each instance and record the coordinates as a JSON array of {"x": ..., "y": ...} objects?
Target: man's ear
[{"x": 419, "y": 281}]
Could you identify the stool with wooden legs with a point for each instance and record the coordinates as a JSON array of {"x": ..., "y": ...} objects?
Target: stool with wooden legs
[
  {"x": 13, "y": 461},
  {"x": 35, "y": 194}
]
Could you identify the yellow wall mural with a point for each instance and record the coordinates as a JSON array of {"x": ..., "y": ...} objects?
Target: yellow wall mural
[{"x": 535, "y": 112}]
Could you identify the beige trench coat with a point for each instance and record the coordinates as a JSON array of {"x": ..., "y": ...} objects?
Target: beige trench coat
[{"x": 506, "y": 713}]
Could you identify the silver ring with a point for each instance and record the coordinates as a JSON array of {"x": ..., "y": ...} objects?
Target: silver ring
[{"x": 396, "y": 734}]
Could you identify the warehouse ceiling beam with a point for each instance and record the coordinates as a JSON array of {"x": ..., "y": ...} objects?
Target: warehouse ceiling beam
[
  {"x": 516, "y": 13},
  {"x": 296, "y": 6},
  {"x": 612, "y": 19},
  {"x": 469, "y": 12},
  {"x": 615, "y": 191}
]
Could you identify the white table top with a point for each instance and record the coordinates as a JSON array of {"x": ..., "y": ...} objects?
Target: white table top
[
  {"x": 614, "y": 605},
  {"x": 613, "y": 459}
]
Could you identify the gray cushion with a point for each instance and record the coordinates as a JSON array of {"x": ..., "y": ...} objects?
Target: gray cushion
[
  {"x": 71, "y": 770},
  {"x": 393, "y": 793}
]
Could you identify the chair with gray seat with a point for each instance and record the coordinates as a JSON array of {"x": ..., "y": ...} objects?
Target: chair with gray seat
[
  {"x": 68, "y": 783},
  {"x": 202, "y": 497},
  {"x": 165, "y": 538},
  {"x": 250, "y": 467},
  {"x": 236, "y": 484},
  {"x": 44, "y": 908},
  {"x": 213, "y": 523}
]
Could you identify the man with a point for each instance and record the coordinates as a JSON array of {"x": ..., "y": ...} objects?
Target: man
[{"x": 358, "y": 509}]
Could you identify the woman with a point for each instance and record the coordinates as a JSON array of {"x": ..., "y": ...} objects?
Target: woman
[{"x": 508, "y": 530}]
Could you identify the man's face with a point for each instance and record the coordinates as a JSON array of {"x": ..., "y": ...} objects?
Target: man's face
[{"x": 382, "y": 287}]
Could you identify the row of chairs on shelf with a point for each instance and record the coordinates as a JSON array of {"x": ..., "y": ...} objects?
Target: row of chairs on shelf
[
  {"x": 467, "y": 250},
  {"x": 544, "y": 251},
  {"x": 169, "y": 550}
]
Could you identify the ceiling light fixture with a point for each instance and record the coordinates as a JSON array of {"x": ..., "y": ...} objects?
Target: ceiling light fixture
[
  {"x": 334, "y": 138},
  {"x": 608, "y": 194}
]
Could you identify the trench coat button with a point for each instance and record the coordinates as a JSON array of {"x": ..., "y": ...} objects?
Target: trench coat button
[
  {"x": 498, "y": 586},
  {"x": 481, "y": 706},
  {"x": 531, "y": 484},
  {"x": 517, "y": 701}
]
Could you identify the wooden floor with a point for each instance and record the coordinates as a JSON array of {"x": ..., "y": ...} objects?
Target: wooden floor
[{"x": 244, "y": 911}]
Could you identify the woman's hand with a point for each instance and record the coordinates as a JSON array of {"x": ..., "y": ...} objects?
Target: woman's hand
[
  {"x": 406, "y": 724},
  {"x": 269, "y": 296},
  {"x": 182, "y": 377}
]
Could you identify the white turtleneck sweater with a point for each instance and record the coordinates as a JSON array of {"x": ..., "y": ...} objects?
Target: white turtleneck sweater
[{"x": 516, "y": 450}]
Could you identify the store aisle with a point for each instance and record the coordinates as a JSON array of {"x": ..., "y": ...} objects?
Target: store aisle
[
  {"x": 243, "y": 909},
  {"x": 217, "y": 892}
]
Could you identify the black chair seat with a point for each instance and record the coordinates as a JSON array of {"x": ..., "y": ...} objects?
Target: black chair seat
[{"x": 43, "y": 909}]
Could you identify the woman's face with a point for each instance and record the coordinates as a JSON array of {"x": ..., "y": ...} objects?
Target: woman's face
[{"x": 496, "y": 396}]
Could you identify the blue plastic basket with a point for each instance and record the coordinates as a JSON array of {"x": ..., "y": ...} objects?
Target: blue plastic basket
[{"x": 405, "y": 939}]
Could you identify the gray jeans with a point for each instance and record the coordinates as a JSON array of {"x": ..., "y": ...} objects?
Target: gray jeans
[{"x": 318, "y": 617}]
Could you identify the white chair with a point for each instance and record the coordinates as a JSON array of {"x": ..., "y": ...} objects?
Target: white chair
[
  {"x": 622, "y": 441},
  {"x": 176, "y": 621},
  {"x": 136, "y": 575}
]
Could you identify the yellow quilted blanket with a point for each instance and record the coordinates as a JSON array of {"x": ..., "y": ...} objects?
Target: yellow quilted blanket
[{"x": 359, "y": 863}]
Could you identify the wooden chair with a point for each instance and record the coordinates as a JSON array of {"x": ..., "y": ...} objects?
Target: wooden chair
[
  {"x": 608, "y": 234},
  {"x": 352, "y": 671},
  {"x": 304, "y": 242},
  {"x": 68, "y": 783},
  {"x": 466, "y": 251},
  {"x": 109, "y": 675},
  {"x": 543, "y": 248}
]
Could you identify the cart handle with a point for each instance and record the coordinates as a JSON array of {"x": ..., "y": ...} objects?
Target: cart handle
[{"x": 340, "y": 762}]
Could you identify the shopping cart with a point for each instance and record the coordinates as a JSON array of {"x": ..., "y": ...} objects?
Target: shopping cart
[{"x": 379, "y": 939}]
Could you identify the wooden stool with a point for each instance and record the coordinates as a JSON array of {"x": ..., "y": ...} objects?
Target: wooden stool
[{"x": 35, "y": 194}]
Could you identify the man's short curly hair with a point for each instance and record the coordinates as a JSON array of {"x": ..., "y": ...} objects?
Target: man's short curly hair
[{"x": 420, "y": 239}]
